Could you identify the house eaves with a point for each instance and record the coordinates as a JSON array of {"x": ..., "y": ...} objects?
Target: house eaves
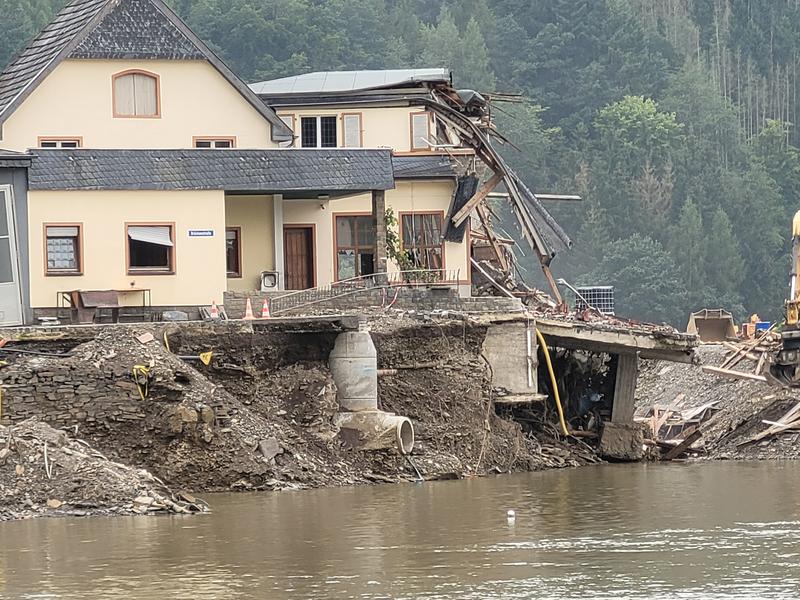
[{"x": 293, "y": 172}]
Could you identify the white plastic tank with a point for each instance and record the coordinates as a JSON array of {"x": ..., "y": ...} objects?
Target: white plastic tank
[{"x": 354, "y": 365}]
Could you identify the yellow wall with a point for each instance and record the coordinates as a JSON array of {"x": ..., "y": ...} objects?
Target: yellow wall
[
  {"x": 254, "y": 214},
  {"x": 383, "y": 127},
  {"x": 419, "y": 196},
  {"x": 75, "y": 100},
  {"x": 199, "y": 261}
]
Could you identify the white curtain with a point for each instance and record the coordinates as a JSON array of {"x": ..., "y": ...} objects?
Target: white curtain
[
  {"x": 420, "y": 131},
  {"x": 145, "y": 95},
  {"x": 352, "y": 131},
  {"x": 123, "y": 96}
]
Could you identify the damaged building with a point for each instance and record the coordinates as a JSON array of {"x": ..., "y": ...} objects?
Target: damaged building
[{"x": 140, "y": 178}]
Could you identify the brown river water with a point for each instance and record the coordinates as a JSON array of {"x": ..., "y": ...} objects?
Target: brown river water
[{"x": 697, "y": 531}]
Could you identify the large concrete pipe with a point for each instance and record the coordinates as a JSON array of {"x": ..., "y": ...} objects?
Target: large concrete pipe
[
  {"x": 354, "y": 365},
  {"x": 377, "y": 430}
]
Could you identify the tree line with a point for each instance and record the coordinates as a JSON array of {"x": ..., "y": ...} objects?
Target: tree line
[{"x": 674, "y": 119}]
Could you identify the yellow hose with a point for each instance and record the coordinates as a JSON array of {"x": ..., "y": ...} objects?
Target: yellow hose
[{"x": 553, "y": 383}]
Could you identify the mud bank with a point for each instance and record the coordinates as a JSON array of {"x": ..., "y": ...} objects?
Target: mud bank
[
  {"x": 739, "y": 407},
  {"x": 260, "y": 415}
]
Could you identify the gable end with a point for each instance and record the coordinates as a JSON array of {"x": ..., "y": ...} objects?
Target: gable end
[{"x": 136, "y": 30}]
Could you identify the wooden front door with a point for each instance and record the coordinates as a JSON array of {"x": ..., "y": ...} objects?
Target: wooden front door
[{"x": 298, "y": 256}]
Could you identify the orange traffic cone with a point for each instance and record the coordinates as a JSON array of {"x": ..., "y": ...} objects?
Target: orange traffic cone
[
  {"x": 265, "y": 310},
  {"x": 248, "y": 311},
  {"x": 214, "y": 310}
]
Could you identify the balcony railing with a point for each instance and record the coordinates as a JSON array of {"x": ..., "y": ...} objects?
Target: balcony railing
[{"x": 355, "y": 286}]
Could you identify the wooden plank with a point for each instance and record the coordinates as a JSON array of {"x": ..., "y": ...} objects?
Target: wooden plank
[
  {"x": 787, "y": 421},
  {"x": 479, "y": 196},
  {"x": 684, "y": 445},
  {"x": 520, "y": 399},
  {"x": 729, "y": 374},
  {"x": 498, "y": 251}
]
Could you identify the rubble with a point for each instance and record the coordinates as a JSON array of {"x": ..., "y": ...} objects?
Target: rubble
[
  {"x": 45, "y": 472},
  {"x": 260, "y": 415},
  {"x": 739, "y": 418}
]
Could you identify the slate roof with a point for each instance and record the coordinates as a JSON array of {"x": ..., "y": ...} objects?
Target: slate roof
[
  {"x": 137, "y": 30},
  {"x": 115, "y": 29},
  {"x": 13, "y": 160},
  {"x": 43, "y": 50},
  {"x": 423, "y": 167},
  {"x": 275, "y": 170}
]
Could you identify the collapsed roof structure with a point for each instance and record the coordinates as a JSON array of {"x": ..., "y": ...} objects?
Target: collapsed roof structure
[{"x": 463, "y": 120}]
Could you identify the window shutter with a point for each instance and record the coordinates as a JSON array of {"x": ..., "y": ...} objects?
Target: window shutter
[
  {"x": 62, "y": 232},
  {"x": 158, "y": 235},
  {"x": 123, "y": 96},
  {"x": 420, "y": 131},
  {"x": 352, "y": 131}
]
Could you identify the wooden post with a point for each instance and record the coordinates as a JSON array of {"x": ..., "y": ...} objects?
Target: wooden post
[
  {"x": 625, "y": 388},
  {"x": 379, "y": 218}
]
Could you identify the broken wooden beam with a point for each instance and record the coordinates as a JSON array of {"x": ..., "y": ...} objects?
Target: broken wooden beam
[
  {"x": 731, "y": 374},
  {"x": 479, "y": 197},
  {"x": 683, "y": 446}
]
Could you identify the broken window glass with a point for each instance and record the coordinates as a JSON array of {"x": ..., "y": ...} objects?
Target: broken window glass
[{"x": 422, "y": 239}]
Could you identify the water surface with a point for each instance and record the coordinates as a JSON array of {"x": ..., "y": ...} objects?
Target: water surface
[{"x": 700, "y": 531}]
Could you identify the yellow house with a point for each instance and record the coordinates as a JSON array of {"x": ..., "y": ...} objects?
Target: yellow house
[
  {"x": 373, "y": 109},
  {"x": 135, "y": 162},
  {"x": 135, "y": 165}
]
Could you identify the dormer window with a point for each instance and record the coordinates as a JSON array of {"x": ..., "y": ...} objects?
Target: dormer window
[{"x": 136, "y": 95}]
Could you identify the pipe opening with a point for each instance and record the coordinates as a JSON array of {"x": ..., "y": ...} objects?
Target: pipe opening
[{"x": 405, "y": 436}]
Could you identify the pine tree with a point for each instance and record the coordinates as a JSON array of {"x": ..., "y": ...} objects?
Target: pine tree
[{"x": 688, "y": 249}]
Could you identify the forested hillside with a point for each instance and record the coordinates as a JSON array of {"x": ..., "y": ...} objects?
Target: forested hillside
[{"x": 673, "y": 118}]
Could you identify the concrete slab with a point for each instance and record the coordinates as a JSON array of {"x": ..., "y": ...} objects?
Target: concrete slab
[{"x": 622, "y": 442}]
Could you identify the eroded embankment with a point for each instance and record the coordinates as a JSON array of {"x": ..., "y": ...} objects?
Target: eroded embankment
[
  {"x": 260, "y": 415},
  {"x": 741, "y": 406}
]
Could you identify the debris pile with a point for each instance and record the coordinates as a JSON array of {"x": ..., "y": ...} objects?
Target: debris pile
[
  {"x": 45, "y": 472},
  {"x": 731, "y": 418},
  {"x": 260, "y": 414},
  {"x": 756, "y": 351}
]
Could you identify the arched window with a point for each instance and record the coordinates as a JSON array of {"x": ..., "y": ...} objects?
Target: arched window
[{"x": 136, "y": 94}]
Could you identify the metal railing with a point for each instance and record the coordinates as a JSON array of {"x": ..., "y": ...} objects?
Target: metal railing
[{"x": 364, "y": 284}]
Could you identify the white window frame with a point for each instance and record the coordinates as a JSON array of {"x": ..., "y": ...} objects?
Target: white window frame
[
  {"x": 425, "y": 145},
  {"x": 58, "y": 142},
  {"x": 215, "y": 142}
]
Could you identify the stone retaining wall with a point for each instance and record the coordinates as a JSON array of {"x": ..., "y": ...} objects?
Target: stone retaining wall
[
  {"x": 64, "y": 396},
  {"x": 417, "y": 299}
]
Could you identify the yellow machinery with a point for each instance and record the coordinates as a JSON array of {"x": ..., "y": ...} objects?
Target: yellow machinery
[{"x": 785, "y": 365}]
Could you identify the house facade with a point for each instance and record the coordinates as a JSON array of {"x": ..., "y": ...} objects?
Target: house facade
[
  {"x": 379, "y": 110},
  {"x": 135, "y": 162}
]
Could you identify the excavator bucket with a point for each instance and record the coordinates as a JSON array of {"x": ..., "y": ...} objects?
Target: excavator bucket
[{"x": 712, "y": 325}]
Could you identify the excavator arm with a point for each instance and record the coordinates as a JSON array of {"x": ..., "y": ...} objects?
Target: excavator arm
[{"x": 785, "y": 364}]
